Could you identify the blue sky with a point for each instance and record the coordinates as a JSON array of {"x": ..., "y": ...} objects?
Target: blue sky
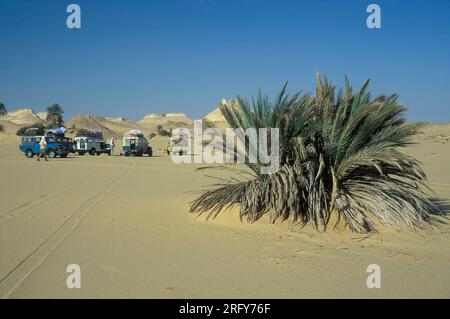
[{"x": 131, "y": 58}]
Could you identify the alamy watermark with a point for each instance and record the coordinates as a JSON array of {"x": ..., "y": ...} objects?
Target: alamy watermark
[
  {"x": 73, "y": 20},
  {"x": 74, "y": 278},
  {"x": 374, "y": 19},
  {"x": 374, "y": 279},
  {"x": 210, "y": 146}
]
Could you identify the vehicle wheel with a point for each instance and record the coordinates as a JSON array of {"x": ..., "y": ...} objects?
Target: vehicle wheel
[
  {"x": 80, "y": 153},
  {"x": 64, "y": 155},
  {"x": 92, "y": 151},
  {"x": 98, "y": 153},
  {"x": 150, "y": 153},
  {"x": 51, "y": 153},
  {"x": 29, "y": 154}
]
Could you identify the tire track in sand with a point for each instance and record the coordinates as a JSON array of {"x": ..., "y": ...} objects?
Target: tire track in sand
[
  {"x": 19, "y": 273},
  {"x": 37, "y": 200}
]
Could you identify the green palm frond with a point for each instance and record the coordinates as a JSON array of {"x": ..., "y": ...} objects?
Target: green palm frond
[
  {"x": 55, "y": 115},
  {"x": 339, "y": 154}
]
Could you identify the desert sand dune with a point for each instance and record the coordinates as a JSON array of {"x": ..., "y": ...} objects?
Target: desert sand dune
[{"x": 125, "y": 221}]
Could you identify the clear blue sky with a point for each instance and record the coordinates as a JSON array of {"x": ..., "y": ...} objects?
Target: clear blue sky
[{"x": 135, "y": 57}]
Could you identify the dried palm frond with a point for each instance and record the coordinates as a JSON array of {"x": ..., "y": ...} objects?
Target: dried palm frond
[{"x": 339, "y": 154}]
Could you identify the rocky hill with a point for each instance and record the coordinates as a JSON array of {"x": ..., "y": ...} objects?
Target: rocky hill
[
  {"x": 215, "y": 117},
  {"x": 118, "y": 126},
  {"x": 90, "y": 122},
  {"x": 23, "y": 117},
  {"x": 110, "y": 126},
  {"x": 163, "y": 119}
]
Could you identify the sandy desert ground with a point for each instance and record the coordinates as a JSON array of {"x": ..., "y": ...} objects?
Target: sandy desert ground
[{"x": 125, "y": 221}]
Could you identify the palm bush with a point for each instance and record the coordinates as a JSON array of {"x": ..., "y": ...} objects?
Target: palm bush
[
  {"x": 55, "y": 116},
  {"x": 339, "y": 154},
  {"x": 3, "y": 110}
]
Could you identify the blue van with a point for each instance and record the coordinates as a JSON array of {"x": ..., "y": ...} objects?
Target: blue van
[{"x": 56, "y": 146}]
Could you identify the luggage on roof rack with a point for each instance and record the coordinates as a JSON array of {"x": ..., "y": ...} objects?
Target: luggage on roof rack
[
  {"x": 135, "y": 133},
  {"x": 83, "y": 132},
  {"x": 96, "y": 134},
  {"x": 33, "y": 131},
  {"x": 56, "y": 131}
]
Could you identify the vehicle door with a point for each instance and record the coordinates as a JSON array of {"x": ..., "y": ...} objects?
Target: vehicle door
[
  {"x": 34, "y": 142},
  {"x": 82, "y": 142},
  {"x": 51, "y": 143},
  {"x": 132, "y": 144}
]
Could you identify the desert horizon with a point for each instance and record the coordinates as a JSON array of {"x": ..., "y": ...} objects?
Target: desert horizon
[{"x": 113, "y": 215}]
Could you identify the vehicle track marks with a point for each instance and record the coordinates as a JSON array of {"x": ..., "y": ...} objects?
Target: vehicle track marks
[
  {"x": 19, "y": 273},
  {"x": 39, "y": 199}
]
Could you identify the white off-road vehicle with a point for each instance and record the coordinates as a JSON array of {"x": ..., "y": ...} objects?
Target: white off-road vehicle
[
  {"x": 91, "y": 145},
  {"x": 135, "y": 144}
]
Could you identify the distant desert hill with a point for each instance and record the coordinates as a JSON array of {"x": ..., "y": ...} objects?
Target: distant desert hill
[
  {"x": 118, "y": 119},
  {"x": 8, "y": 126},
  {"x": 216, "y": 118},
  {"x": 165, "y": 118},
  {"x": 150, "y": 122},
  {"x": 108, "y": 127},
  {"x": 118, "y": 126},
  {"x": 16, "y": 119},
  {"x": 23, "y": 117},
  {"x": 151, "y": 117},
  {"x": 42, "y": 115},
  {"x": 435, "y": 133}
]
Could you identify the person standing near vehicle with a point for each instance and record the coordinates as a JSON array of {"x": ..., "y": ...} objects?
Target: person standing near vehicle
[
  {"x": 111, "y": 144},
  {"x": 42, "y": 148}
]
